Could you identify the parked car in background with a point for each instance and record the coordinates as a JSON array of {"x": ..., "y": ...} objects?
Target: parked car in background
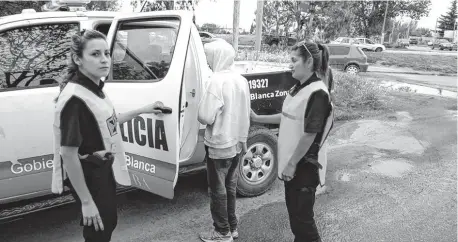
[
  {"x": 430, "y": 43},
  {"x": 364, "y": 43},
  {"x": 442, "y": 44},
  {"x": 348, "y": 58},
  {"x": 413, "y": 41},
  {"x": 402, "y": 42},
  {"x": 367, "y": 44}
]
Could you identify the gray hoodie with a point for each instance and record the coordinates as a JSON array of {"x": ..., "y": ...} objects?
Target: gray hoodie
[{"x": 225, "y": 106}]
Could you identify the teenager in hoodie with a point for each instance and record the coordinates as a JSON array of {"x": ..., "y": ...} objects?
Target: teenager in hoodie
[{"x": 225, "y": 110}]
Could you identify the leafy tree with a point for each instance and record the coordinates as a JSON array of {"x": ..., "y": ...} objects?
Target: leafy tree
[
  {"x": 16, "y": 7},
  {"x": 159, "y": 5},
  {"x": 369, "y": 15},
  {"x": 106, "y": 5},
  {"x": 337, "y": 20},
  {"x": 447, "y": 21},
  {"x": 422, "y": 32},
  {"x": 276, "y": 15},
  {"x": 210, "y": 27}
]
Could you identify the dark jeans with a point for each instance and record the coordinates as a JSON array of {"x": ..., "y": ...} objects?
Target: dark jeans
[
  {"x": 222, "y": 179},
  {"x": 300, "y": 198},
  {"x": 102, "y": 186}
]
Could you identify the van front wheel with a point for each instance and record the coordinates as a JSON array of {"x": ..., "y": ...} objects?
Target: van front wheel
[{"x": 258, "y": 167}]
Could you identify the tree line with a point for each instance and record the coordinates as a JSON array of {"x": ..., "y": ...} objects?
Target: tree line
[{"x": 306, "y": 19}]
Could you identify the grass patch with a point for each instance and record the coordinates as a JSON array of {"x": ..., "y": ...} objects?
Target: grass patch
[
  {"x": 357, "y": 97},
  {"x": 433, "y": 63},
  {"x": 244, "y": 39}
]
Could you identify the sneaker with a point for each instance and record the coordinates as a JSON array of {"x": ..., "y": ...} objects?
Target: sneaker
[
  {"x": 215, "y": 236},
  {"x": 235, "y": 234}
]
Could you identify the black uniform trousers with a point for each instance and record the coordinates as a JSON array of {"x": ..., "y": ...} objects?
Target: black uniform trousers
[
  {"x": 300, "y": 199},
  {"x": 100, "y": 181}
]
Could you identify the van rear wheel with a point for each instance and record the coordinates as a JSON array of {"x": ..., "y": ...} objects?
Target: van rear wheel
[
  {"x": 258, "y": 167},
  {"x": 378, "y": 49}
]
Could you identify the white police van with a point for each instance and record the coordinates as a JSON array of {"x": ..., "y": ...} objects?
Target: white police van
[{"x": 156, "y": 56}]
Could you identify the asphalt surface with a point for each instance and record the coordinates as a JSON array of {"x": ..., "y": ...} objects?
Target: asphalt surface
[
  {"x": 390, "y": 178},
  {"x": 439, "y": 82},
  {"x": 423, "y": 50}
]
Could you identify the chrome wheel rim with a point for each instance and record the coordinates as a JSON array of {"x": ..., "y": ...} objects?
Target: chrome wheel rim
[
  {"x": 352, "y": 70},
  {"x": 257, "y": 164}
]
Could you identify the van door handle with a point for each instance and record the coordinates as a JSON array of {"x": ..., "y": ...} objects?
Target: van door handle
[
  {"x": 165, "y": 110},
  {"x": 193, "y": 92}
]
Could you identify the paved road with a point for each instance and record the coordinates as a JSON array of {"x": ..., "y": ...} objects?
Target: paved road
[
  {"x": 389, "y": 179},
  {"x": 439, "y": 82},
  {"x": 422, "y": 50}
]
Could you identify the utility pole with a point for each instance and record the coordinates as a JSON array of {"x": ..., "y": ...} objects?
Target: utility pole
[
  {"x": 392, "y": 32},
  {"x": 259, "y": 13},
  {"x": 384, "y": 20},
  {"x": 435, "y": 30},
  {"x": 408, "y": 29},
  {"x": 235, "y": 25}
]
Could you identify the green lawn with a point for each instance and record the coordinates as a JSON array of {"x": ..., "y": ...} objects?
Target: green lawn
[{"x": 434, "y": 63}]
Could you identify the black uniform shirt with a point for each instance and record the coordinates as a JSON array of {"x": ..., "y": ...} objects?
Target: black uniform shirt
[
  {"x": 317, "y": 111},
  {"x": 79, "y": 127}
]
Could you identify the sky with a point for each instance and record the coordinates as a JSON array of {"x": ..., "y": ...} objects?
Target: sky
[{"x": 220, "y": 12}]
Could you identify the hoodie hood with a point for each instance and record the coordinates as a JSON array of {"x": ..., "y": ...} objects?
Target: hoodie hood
[{"x": 220, "y": 55}]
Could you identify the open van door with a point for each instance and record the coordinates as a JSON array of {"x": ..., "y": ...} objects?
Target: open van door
[{"x": 148, "y": 58}]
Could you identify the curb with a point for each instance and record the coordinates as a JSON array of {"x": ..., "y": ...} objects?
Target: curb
[{"x": 413, "y": 73}]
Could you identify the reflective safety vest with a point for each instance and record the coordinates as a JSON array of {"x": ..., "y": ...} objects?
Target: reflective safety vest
[
  {"x": 109, "y": 128},
  {"x": 292, "y": 124}
]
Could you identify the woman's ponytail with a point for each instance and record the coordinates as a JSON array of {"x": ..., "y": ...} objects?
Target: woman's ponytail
[{"x": 324, "y": 58}]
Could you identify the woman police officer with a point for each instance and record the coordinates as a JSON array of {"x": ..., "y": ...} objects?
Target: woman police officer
[
  {"x": 305, "y": 121},
  {"x": 87, "y": 142}
]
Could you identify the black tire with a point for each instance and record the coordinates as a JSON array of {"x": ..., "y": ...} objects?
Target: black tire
[
  {"x": 352, "y": 69},
  {"x": 258, "y": 135},
  {"x": 365, "y": 50},
  {"x": 378, "y": 49}
]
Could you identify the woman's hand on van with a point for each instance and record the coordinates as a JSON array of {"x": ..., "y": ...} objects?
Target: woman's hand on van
[
  {"x": 153, "y": 108},
  {"x": 253, "y": 116}
]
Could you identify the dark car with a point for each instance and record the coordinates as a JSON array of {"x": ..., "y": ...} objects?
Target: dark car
[{"x": 348, "y": 58}]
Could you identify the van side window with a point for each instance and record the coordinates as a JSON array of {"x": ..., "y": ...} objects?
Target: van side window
[
  {"x": 143, "y": 50},
  {"x": 35, "y": 56},
  {"x": 339, "y": 50}
]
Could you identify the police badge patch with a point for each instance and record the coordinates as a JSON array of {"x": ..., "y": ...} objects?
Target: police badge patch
[{"x": 112, "y": 124}]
